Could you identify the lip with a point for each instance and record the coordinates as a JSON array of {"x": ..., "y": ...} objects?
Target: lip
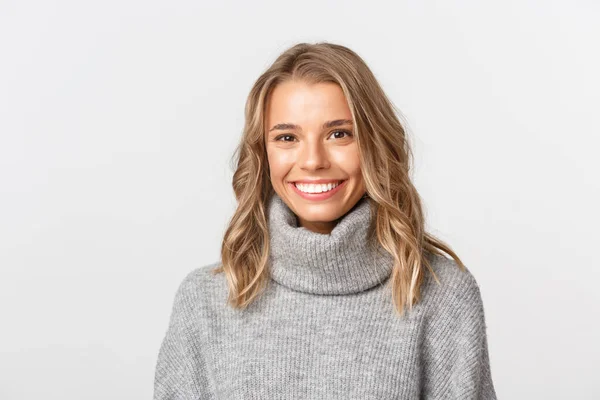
[{"x": 318, "y": 196}]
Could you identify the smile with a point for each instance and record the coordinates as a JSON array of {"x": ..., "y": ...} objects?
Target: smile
[
  {"x": 317, "y": 191},
  {"x": 317, "y": 188}
]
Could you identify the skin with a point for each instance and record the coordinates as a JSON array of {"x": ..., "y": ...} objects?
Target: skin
[{"x": 311, "y": 151}]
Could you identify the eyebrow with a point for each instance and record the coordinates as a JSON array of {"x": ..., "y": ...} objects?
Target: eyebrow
[{"x": 328, "y": 124}]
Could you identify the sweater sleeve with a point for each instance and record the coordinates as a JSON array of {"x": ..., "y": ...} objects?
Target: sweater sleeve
[
  {"x": 457, "y": 359},
  {"x": 180, "y": 369}
]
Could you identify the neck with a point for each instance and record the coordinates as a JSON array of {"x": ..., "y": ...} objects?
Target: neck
[
  {"x": 346, "y": 260},
  {"x": 317, "y": 227}
]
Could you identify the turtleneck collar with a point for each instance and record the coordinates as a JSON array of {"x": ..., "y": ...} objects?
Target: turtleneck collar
[{"x": 341, "y": 262}]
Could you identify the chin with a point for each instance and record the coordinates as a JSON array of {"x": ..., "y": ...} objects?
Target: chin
[{"x": 320, "y": 212}]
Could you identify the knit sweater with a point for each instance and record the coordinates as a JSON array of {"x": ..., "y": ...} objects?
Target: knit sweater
[{"x": 326, "y": 328}]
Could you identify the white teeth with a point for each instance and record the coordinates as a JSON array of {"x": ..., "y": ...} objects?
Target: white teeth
[{"x": 316, "y": 188}]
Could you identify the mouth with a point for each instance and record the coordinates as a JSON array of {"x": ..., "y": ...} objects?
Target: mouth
[{"x": 317, "y": 191}]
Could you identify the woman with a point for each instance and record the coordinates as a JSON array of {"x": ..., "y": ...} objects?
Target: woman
[{"x": 328, "y": 286}]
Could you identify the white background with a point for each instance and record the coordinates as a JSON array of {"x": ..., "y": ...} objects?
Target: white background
[{"x": 118, "y": 120}]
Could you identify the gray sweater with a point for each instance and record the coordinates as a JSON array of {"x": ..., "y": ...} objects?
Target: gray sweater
[{"x": 325, "y": 328}]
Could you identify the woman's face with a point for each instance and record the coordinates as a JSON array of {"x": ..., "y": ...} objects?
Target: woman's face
[{"x": 309, "y": 136}]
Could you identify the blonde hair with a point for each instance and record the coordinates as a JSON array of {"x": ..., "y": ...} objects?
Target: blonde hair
[{"x": 385, "y": 157}]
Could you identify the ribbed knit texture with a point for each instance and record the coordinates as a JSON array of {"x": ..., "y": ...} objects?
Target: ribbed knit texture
[{"x": 326, "y": 327}]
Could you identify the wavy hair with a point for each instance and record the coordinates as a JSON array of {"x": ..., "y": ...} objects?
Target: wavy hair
[{"x": 385, "y": 159}]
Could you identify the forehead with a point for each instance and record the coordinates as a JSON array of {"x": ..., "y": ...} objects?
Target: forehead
[{"x": 301, "y": 103}]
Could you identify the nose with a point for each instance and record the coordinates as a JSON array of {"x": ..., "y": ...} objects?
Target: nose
[{"x": 313, "y": 155}]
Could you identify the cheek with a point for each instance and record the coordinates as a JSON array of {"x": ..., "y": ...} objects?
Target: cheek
[
  {"x": 347, "y": 160},
  {"x": 279, "y": 163}
]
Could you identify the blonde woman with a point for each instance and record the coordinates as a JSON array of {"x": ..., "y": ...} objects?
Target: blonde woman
[{"x": 328, "y": 286}]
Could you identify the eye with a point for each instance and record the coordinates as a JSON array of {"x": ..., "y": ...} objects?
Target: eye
[
  {"x": 287, "y": 135},
  {"x": 278, "y": 138},
  {"x": 348, "y": 133}
]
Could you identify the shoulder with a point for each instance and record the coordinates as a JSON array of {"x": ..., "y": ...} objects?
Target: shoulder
[
  {"x": 198, "y": 286},
  {"x": 457, "y": 291},
  {"x": 198, "y": 277}
]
